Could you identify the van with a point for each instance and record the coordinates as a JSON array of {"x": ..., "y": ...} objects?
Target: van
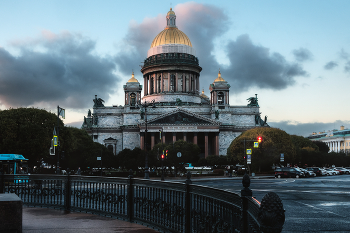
[{"x": 287, "y": 172}]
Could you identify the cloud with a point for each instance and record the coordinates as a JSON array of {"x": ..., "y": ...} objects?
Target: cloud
[
  {"x": 254, "y": 65},
  {"x": 302, "y": 54},
  {"x": 305, "y": 129},
  {"x": 330, "y": 65},
  {"x": 343, "y": 54},
  {"x": 347, "y": 67},
  {"x": 250, "y": 65},
  {"x": 55, "y": 69}
]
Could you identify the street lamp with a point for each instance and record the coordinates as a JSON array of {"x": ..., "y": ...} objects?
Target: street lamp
[{"x": 145, "y": 105}]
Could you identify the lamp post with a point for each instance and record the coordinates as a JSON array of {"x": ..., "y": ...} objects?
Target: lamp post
[
  {"x": 60, "y": 112},
  {"x": 145, "y": 105}
]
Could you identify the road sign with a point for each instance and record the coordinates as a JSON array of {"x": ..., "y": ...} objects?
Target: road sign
[
  {"x": 249, "y": 151},
  {"x": 249, "y": 159},
  {"x": 55, "y": 140},
  {"x": 282, "y": 158},
  {"x": 99, "y": 158},
  {"x": 179, "y": 154},
  {"x": 256, "y": 144}
]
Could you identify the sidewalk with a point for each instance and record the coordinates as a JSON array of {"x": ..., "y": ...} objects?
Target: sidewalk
[{"x": 43, "y": 220}]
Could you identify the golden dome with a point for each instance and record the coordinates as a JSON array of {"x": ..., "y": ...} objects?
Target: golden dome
[
  {"x": 203, "y": 95},
  {"x": 219, "y": 79},
  {"x": 171, "y": 12},
  {"x": 171, "y": 36},
  {"x": 133, "y": 79}
]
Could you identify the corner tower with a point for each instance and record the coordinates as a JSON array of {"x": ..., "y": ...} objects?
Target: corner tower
[
  {"x": 219, "y": 91},
  {"x": 171, "y": 70}
]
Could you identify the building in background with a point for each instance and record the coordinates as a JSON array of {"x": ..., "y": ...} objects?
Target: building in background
[
  {"x": 169, "y": 105},
  {"x": 337, "y": 140}
]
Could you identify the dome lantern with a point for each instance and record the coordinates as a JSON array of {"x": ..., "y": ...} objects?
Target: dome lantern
[{"x": 171, "y": 19}]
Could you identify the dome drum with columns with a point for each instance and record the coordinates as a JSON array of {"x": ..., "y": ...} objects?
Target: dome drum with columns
[{"x": 171, "y": 83}]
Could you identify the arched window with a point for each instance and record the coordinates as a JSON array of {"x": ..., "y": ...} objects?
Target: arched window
[
  {"x": 221, "y": 98},
  {"x": 151, "y": 86},
  {"x": 132, "y": 99},
  {"x": 159, "y": 84},
  {"x": 172, "y": 83}
]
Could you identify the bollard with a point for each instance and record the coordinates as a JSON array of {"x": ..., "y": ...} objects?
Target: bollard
[
  {"x": 246, "y": 192},
  {"x": 271, "y": 214}
]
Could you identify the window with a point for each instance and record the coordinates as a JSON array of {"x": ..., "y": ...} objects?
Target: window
[
  {"x": 221, "y": 98},
  {"x": 132, "y": 99}
]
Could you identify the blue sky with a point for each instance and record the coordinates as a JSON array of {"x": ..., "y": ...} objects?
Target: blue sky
[{"x": 293, "y": 54}]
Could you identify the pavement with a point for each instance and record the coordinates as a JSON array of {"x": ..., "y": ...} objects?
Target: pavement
[{"x": 43, "y": 220}]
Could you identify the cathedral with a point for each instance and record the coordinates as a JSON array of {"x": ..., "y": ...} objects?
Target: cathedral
[{"x": 169, "y": 105}]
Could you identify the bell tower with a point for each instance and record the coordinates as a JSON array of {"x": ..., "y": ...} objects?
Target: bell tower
[
  {"x": 219, "y": 92},
  {"x": 132, "y": 91}
]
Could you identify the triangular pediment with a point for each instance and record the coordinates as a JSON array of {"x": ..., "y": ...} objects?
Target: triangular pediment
[{"x": 183, "y": 117}]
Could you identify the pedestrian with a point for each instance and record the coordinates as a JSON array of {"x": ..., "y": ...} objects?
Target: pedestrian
[{"x": 79, "y": 171}]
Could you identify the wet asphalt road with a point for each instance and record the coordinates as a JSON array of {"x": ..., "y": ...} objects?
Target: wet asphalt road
[{"x": 318, "y": 204}]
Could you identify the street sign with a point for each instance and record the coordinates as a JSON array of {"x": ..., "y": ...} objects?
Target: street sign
[
  {"x": 249, "y": 159},
  {"x": 98, "y": 158},
  {"x": 282, "y": 158},
  {"x": 179, "y": 154},
  {"x": 256, "y": 144},
  {"x": 249, "y": 151},
  {"x": 55, "y": 140}
]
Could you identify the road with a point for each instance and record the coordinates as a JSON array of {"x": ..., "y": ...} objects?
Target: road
[{"x": 318, "y": 204}]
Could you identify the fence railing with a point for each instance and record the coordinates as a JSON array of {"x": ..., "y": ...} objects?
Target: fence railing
[{"x": 165, "y": 206}]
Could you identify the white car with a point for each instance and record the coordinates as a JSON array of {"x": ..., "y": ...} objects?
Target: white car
[
  {"x": 323, "y": 172},
  {"x": 330, "y": 172}
]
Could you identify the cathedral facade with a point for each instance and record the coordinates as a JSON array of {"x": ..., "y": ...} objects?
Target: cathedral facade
[{"x": 169, "y": 106}]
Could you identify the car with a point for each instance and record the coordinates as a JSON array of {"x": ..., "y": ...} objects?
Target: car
[
  {"x": 323, "y": 172},
  {"x": 343, "y": 170},
  {"x": 303, "y": 174},
  {"x": 316, "y": 170},
  {"x": 338, "y": 172},
  {"x": 287, "y": 172},
  {"x": 330, "y": 172},
  {"x": 309, "y": 173}
]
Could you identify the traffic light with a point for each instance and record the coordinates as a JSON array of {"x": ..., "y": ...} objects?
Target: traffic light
[
  {"x": 259, "y": 139},
  {"x": 162, "y": 156},
  {"x": 166, "y": 153}
]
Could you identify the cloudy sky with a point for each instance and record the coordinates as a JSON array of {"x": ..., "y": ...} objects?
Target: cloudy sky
[{"x": 294, "y": 54}]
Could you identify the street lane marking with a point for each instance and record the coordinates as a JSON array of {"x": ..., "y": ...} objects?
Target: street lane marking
[{"x": 314, "y": 207}]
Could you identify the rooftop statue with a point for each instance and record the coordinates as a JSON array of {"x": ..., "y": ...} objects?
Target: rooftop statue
[
  {"x": 98, "y": 102},
  {"x": 253, "y": 101}
]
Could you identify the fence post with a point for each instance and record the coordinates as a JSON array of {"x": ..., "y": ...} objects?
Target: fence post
[
  {"x": 246, "y": 192},
  {"x": 271, "y": 213},
  {"x": 67, "y": 196},
  {"x": 130, "y": 197},
  {"x": 188, "y": 217}
]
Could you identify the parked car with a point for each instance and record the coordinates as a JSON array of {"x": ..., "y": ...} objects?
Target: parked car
[
  {"x": 309, "y": 173},
  {"x": 303, "y": 174},
  {"x": 338, "y": 172},
  {"x": 344, "y": 170},
  {"x": 323, "y": 172},
  {"x": 330, "y": 172},
  {"x": 287, "y": 172},
  {"x": 316, "y": 170}
]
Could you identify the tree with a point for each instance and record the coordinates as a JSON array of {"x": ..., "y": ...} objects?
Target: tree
[
  {"x": 323, "y": 147},
  {"x": 27, "y": 131},
  {"x": 274, "y": 142},
  {"x": 131, "y": 159}
]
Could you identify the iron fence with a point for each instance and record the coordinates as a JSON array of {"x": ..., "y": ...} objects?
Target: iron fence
[{"x": 165, "y": 206}]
